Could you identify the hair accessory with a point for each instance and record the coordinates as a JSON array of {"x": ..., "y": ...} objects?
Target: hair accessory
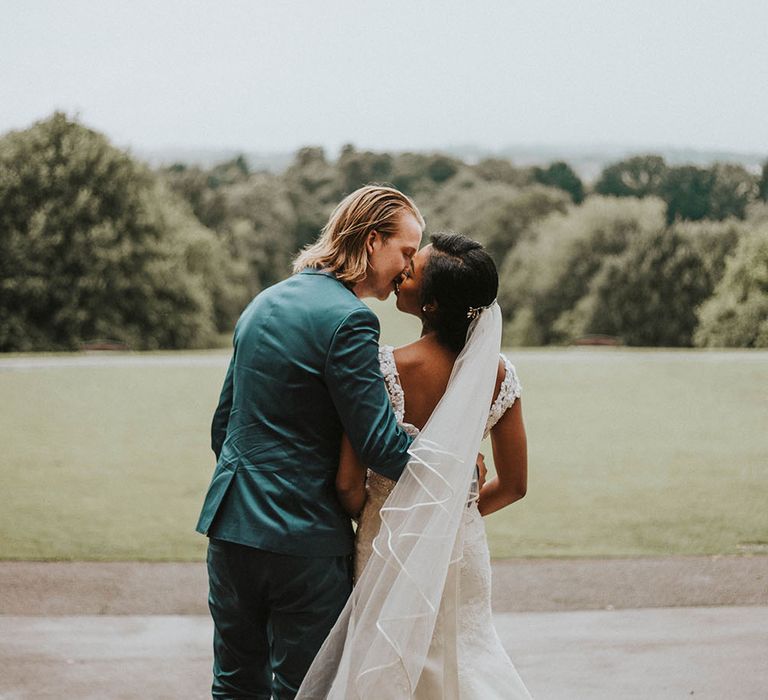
[{"x": 475, "y": 311}]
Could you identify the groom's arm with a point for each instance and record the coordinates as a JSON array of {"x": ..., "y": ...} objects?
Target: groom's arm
[
  {"x": 221, "y": 414},
  {"x": 356, "y": 385}
]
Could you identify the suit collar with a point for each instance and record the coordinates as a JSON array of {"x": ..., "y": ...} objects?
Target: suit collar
[
  {"x": 314, "y": 271},
  {"x": 325, "y": 273}
]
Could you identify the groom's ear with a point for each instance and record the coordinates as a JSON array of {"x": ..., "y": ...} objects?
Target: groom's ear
[{"x": 372, "y": 236}]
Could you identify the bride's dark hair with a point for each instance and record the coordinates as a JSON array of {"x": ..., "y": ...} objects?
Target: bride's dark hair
[{"x": 459, "y": 275}]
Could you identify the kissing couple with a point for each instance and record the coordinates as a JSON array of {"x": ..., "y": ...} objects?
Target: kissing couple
[{"x": 317, "y": 426}]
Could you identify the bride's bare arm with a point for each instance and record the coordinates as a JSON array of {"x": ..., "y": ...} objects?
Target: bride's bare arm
[
  {"x": 350, "y": 479},
  {"x": 510, "y": 455}
]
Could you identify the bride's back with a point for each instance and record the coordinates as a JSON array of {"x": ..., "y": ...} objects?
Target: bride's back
[{"x": 424, "y": 368}]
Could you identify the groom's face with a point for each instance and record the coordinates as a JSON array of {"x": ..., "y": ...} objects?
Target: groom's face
[
  {"x": 409, "y": 290},
  {"x": 389, "y": 259}
]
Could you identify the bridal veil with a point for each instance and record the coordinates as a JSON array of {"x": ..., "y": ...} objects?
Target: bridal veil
[{"x": 380, "y": 645}]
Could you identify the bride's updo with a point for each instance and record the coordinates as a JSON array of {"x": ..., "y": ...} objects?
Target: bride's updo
[{"x": 458, "y": 276}]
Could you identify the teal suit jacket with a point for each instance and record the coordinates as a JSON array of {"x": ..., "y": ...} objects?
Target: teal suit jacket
[{"x": 304, "y": 370}]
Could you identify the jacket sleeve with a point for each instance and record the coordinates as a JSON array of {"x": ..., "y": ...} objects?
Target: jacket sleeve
[
  {"x": 356, "y": 385},
  {"x": 221, "y": 414}
]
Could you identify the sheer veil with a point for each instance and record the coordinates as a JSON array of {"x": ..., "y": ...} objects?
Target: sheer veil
[{"x": 380, "y": 644}]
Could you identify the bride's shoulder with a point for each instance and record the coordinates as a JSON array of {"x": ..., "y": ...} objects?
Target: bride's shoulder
[
  {"x": 508, "y": 390},
  {"x": 405, "y": 357},
  {"x": 394, "y": 360},
  {"x": 501, "y": 370},
  {"x": 507, "y": 382}
]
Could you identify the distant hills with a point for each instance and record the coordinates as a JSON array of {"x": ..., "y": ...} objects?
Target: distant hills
[{"x": 588, "y": 161}]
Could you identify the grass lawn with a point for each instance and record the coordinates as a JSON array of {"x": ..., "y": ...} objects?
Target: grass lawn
[{"x": 631, "y": 453}]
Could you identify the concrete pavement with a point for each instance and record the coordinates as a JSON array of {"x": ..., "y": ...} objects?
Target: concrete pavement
[
  {"x": 650, "y": 654},
  {"x": 650, "y": 629}
]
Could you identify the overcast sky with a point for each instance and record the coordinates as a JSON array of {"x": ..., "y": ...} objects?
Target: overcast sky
[{"x": 394, "y": 74}]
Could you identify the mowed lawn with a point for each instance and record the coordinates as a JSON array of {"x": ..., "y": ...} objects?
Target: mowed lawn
[{"x": 631, "y": 453}]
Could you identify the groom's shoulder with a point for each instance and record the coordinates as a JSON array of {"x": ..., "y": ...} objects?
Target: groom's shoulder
[{"x": 316, "y": 297}]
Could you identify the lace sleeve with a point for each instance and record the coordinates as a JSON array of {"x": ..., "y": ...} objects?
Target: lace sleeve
[
  {"x": 389, "y": 370},
  {"x": 508, "y": 393}
]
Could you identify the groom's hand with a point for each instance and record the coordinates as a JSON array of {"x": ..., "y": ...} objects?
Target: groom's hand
[{"x": 482, "y": 471}]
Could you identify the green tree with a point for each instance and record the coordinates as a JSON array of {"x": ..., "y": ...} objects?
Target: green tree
[
  {"x": 562, "y": 176},
  {"x": 358, "y": 168},
  {"x": 253, "y": 215},
  {"x": 502, "y": 226},
  {"x": 261, "y": 229},
  {"x": 229, "y": 172},
  {"x": 442, "y": 168},
  {"x": 647, "y": 296},
  {"x": 552, "y": 268},
  {"x": 639, "y": 176},
  {"x": 201, "y": 191},
  {"x": 92, "y": 245},
  {"x": 757, "y": 213},
  {"x": 493, "y": 213},
  {"x": 713, "y": 242},
  {"x": 314, "y": 189},
  {"x": 762, "y": 186},
  {"x": 733, "y": 189},
  {"x": 502, "y": 170},
  {"x": 422, "y": 173},
  {"x": 687, "y": 191},
  {"x": 737, "y": 313}
]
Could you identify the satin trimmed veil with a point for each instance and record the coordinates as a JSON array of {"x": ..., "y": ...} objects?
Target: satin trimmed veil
[{"x": 380, "y": 645}]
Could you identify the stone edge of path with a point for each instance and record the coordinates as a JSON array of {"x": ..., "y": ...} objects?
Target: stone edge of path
[{"x": 519, "y": 585}]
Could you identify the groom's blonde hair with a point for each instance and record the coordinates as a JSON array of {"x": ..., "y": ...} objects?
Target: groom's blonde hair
[{"x": 341, "y": 246}]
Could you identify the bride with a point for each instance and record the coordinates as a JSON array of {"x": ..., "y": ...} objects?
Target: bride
[{"x": 418, "y": 623}]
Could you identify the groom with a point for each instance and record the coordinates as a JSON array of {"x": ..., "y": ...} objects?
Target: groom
[{"x": 304, "y": 371}]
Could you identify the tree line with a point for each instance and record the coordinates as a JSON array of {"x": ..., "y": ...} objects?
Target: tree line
[{"x": 95, "y": 244}]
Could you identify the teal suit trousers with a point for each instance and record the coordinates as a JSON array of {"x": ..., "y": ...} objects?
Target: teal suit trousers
[{"x": 272, "y": 613}]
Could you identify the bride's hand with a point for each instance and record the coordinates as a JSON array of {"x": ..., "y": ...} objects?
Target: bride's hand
[
  {"x": 350, "y": 479},
  {"x": 482, "y": 470}
]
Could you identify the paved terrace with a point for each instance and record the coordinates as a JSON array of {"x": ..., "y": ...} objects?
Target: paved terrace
[{"x": 649, "y": 629}]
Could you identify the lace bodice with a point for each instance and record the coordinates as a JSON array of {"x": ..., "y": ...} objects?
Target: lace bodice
[
  {"x": 508, "y": 393},
  {"x": 379, "y": 487},
  {"x": 392, "y": 380}
]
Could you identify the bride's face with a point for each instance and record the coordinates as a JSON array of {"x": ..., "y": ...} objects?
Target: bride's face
[{"x": 408, "y": 290}]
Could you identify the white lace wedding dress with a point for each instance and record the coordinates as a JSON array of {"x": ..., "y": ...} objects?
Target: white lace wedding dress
[{"x": 485, "y": 672}]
